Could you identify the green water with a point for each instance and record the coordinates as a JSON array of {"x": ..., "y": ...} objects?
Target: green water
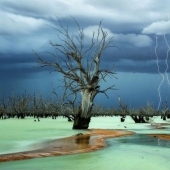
[
  {"x": 121, "y": 154},
  {"x": 138, "y": 152},
  {"x": 20, "y": 135}
]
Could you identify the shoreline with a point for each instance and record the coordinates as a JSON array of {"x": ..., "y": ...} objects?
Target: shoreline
[
  {"x": 161, "y": 136},
  {"x": 94, "y": 140}
]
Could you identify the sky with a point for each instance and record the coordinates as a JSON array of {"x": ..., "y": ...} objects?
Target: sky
[{"x": 141, "y": 30}]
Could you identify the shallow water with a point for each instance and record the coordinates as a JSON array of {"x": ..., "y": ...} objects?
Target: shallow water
[
  {"x": 141, "y": 140},
  {"x": 138, "y": 152},
  {"x": 21, "y": 135},
  {"x": 125, "y": 153}
]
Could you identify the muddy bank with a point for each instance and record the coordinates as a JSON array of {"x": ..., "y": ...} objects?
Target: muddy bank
[
  {"x": 92, "y": 141},
  {"x": 161, "y": 136}
]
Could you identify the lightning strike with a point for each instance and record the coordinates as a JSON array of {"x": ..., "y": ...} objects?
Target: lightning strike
[
  {"x": 163, "y": 78},
  {"x": 166, "y": 61},
  {"x": 167, "y": 66}
]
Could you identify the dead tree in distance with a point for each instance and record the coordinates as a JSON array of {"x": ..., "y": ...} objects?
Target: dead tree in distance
[
  {"x": 126, "y": 111},
  {"x": 81, "y": 66}
]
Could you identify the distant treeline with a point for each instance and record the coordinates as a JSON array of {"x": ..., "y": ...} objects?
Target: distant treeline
[{"x": 25, "y": 105}]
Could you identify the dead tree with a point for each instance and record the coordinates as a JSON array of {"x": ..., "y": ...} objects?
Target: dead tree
[
  {"x": 19, "y": 105},
  {"x": 137, "y": 118},
  {"x": 165, "y": 111},
  {"x": 3, "y": 108},
  {"x": 81, "y": 66}
]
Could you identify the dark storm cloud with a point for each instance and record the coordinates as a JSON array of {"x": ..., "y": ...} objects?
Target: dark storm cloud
[
  {"x": 140, "y": 67},
  {"x": 133, "y": 25},
  {"x": 13, "y": 59},
  {"x": 17, "y": 73},
  {"x": 21, "y": 66}
]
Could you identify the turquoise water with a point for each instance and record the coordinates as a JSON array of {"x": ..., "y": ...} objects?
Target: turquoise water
[
  {"x": 138, "y": 152},
  {"x": 20, "y": 135},
  {"x": 121, "y": 154}
]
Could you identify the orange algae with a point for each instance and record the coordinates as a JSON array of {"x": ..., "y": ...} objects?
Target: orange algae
[{"x": 161, "y": 136}]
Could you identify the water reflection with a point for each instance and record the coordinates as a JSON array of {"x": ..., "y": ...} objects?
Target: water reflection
[
  {"x": 141, "y": 139},
  {"x": 85, "y": 140},
  {"x": 164, "y": 143},
  {"x": 68, "y": 144}
]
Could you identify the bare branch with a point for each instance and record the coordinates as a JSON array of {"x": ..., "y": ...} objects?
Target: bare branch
[{"x": 80, "y": 65}]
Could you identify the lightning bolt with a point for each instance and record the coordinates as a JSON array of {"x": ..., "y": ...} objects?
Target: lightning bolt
[
  {"x": 166, "y": 61},
  {"x": 163, "y": 78},
  {"x": 167, "y": 66}
]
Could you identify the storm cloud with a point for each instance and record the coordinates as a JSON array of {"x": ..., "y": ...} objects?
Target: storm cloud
[{"x": 135, "y": 26}]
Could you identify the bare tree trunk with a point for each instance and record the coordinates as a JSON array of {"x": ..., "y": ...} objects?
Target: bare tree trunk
[
  {"x": 82, "y": 119},
  {"x": 81, "y": 123}
]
